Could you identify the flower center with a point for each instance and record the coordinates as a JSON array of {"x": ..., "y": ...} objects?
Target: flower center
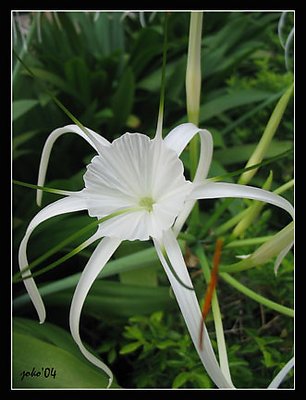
[{"x": 147, "y": 203}]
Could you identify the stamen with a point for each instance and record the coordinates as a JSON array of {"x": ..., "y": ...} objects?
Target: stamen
[{"x": 147, "y": 203}]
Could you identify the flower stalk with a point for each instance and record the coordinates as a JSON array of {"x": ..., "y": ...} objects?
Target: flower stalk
[{"x": 193, "y": 81}]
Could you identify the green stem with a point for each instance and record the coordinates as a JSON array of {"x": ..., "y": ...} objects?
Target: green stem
[
  {"x": 43, "y": 188},
  {"x": 230, "y": 223},
  {"x": 159, "y": 129},
  {"x": 284, "y": 187},
  {"x": 217, "y": 317},
  {"x": 251, "y": 167},
  {"x": 193, "y": 93},
  {"x": 255, "y": 296},
  {"x": 57, "y": 262},
  {"x": 268, "y": 134},
  {"x": 240, "y": 266},
  {"x": 248, "y": 242}
]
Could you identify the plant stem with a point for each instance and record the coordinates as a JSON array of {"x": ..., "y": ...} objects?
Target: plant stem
[
  {"x": 217, "y": 317},
  {"x": 248, "y": 242},
  {"x": 255, "y": 296}
]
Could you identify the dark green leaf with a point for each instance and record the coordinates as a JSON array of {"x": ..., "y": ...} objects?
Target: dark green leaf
[
  {"x": 229, "y": 101},
  {"x": 123, "y": 99},
  {"x": 242, "y": 153},
  {"x": 116, "y": 299},
  {"x": 21, "y": 107}
]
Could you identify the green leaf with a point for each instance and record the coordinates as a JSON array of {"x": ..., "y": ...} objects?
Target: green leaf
[
  {"x": 181, "y": 379},
  {"x": 140, "y": 259},
  {"x": 165, "y": 344},
  {"x": 118, "y": 300},
  {"x": 45, "y": 356},
  {"x": 55, "y": 80},
  {"x": 21, "y": 107},
  {"x": 242, "y": 153},
  {"x": 133, "y": 332},
  {"x": 20, "y": 140},
  {"x": 148, "y": 45},
  {"x": 229, "y": 101},
  {"x": 130, "y": 348},
  {"x": 143, "y": 277},
  {"x": 123, "y": 99},
  {"x": 77, "y": 74},
  {"x": 202, "y": 379},
  {"x": 23, "y": 138}
]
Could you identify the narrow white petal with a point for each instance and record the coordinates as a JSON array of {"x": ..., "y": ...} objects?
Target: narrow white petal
[
  {"x": 179, "y": 137},
  {"x": 189, "y": 306},
  {"x": 212, "y": 190},
  {"x": 177, "y": 140},
  {"x": 281, "y": 375},
  {"x": 183, "y": 215},
  {"x": 94, "y": 139},
  {"x": 65, "y": 205},
  {"x": 97, "y": 261}
]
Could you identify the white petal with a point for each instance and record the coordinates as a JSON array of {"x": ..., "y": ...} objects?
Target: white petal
[
  {"x": 96, "y": 263},
  {"x": 177, "y": 140},
  {"x": 128, "y": 226},
  {"x": 212, "y": 190},
  {"x": 94, "y": 139},
  {"x": 68, "y": 204},
  {"x": 189, "y": 306},
  {"x": 183, "y": 215},
  {"x": 134, "y": 168},
  {"x": 281, "y": 375}
]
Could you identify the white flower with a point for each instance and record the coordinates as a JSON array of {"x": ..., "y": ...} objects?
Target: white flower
[{"x": 141, "y": 182}]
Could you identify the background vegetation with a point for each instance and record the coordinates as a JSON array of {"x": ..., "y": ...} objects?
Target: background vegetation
[{"x": 106, "y": 69}]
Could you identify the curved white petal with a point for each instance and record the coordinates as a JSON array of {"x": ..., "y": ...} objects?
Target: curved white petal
[
  {"x": 189, "y": 306},
  {"x": 93, "y": 138},
  {"x": 180, "y": 136},
  {"x": 177, "y": 140},
  {"x": 281, "y": 375},
  {"x": 62, "y": 206},
  {"x": 213, "y": 190},
  {"x": 97, "y": 261}
]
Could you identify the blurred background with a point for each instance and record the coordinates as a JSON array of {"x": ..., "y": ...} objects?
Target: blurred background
[{"x": 105, "y": 67}]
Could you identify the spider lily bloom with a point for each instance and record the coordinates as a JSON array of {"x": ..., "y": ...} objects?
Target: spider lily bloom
[{"x": 140, "y": 182}]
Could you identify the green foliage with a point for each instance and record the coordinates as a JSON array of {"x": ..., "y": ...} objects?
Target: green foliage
[
  {"x": 45, "y": 356},
  {"x": 162, "y": 354},
  {"x": 106, "y": 70}
]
